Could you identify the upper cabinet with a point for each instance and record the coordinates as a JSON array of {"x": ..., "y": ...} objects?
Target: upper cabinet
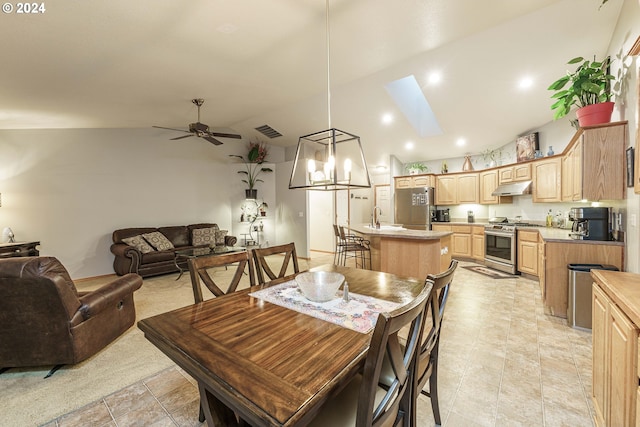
[
  {"x": 547, "y": 175},
  {"x": 592, "y": 167},
  {"x": 413, "y": 181},
  {"x": 514, "y": 173},
  {"x": 455, "y": 189}
]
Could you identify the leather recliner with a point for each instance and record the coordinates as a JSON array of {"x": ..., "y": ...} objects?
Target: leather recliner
[{"x": 45, "y": 321}]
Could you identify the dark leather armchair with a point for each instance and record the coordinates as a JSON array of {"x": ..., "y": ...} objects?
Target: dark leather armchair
[{"x": 45, "y": 321}]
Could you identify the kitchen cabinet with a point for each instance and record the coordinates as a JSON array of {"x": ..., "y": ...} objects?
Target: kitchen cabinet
[
  {"x": 488, "y": 181},
  {"x": 528, "y": 252},
  {"x": 461, "y": 241},
  {"x": 547, "y": 180},
  {"x": 557, "y": 254},
  {"x": 413, "y": 181},
  {"x": 572, "y": 173},
  {"x": 477, "y": 242},
  {"x": 453, "y": 189},
  {"x": 514, "y": 173},
  {"x": 615, "y": 356}
]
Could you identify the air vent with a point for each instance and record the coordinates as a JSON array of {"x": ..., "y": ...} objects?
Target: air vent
[{"x": 268, "y": 131}]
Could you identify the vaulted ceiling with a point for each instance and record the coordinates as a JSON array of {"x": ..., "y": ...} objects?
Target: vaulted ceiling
[{"x": 134, "y": 64}]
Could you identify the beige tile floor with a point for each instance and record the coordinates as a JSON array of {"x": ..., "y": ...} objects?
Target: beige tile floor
[{"x": 503, "y": 362}]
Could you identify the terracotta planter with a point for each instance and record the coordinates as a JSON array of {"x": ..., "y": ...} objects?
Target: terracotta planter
[{"x": 595, "y": 114}]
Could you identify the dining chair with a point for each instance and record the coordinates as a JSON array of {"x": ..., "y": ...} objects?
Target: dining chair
[
  {"x": 426, "y": 367},
  {"x": 363, "y": 402},
  {"x": 337, "y": 255},
  {"x": 261, "y": 257},
  {"x": 355, "y": 247},
  {"x": 198, "y": 269}
]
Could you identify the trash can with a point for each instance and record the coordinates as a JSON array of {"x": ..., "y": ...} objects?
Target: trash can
[{"x": 579, "y": 301}]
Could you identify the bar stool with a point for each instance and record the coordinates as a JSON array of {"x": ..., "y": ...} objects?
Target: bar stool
[{"x": 355, "y": 247}]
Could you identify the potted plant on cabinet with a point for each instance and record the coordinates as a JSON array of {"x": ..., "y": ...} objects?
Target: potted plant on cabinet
[
  {"x": 588, "y": 88},
  {"x": 255, "y": 157},
  {"x": 416, "y": 168}
]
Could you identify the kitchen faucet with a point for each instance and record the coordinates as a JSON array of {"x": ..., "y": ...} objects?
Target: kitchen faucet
[{"x": 375, "y": 221}]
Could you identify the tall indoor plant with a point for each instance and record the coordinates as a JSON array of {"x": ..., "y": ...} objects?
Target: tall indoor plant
[
  {"x": 588, "y": 87},
  {"x": 255, "y": 157}
]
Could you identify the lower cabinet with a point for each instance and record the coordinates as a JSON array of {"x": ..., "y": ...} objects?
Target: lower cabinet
[
  {"x": 615, "y": 357},
  {"x": 528, "y": 252},
  {"x": 477, "y": 243}
]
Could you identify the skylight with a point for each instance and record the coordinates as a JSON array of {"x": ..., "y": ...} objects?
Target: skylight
[{"x": 408, "y": 96}]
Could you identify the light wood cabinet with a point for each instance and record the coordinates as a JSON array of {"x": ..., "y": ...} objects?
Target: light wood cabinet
[
  {"x": 446, "y": 190},
  {"x": 461, "y": 241},
  {"x": 593, "y": 168},
  {"x": 615, "y": 353},
  {"x": 413, "y": 181},
  {"x": 528, "y": 252},
  {"x": 488, "y": 184},
  {"x": 457, "y": 188},
  {"x": 558, "y": 254},
  {"x": 547, "y": 180},
  {"x": 477, "y": 242},
  {"x": 514, "y": 173}
]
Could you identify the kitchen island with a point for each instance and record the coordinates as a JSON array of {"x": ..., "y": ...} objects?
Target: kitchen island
[{"x": 412, "y": 253}]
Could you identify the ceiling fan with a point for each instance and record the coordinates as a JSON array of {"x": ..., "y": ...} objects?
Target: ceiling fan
[{"x": 201, "y": 130}]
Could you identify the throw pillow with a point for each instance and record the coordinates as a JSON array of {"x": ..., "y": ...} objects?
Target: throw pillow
[
  {"x": 220, "y": 234},
  {"x": 139, "y": 243},
  {"x": 158, "y": 241},
  {"x": 203, "y": 236}
]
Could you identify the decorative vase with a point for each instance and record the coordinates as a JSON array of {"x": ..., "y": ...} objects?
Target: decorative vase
[
  {"x": 550, "y": 152},
  {"x": 595, "y": 114},
  {"x": 251, "y": 194},
  {"x": 467, "y": 166}
]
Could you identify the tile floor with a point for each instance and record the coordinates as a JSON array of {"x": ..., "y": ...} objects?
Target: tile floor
[{"x": 503, "y": 362}]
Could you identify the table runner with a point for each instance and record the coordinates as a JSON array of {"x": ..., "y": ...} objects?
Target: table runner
[{"x": 359, "y": 314}]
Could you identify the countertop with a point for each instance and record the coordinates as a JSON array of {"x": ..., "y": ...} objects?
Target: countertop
[
  {"x": 400, "y": 233},
  {"x": 548, "y": 234},
  {"x": 624, "y": 290}
]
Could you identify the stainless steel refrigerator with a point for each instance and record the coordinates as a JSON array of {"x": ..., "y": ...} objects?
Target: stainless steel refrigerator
[{"x": 415, "y": 207}]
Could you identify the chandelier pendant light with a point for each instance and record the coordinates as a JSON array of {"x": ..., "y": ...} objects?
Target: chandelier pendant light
[{"x": 331, "y": 159}]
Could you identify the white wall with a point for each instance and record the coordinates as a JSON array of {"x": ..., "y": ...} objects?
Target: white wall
[
  {"x": 71, "y": 188},
  {"x": 292, "y": 221}
]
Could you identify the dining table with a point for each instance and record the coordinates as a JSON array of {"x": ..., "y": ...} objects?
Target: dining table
[{"x": 263, "y": 363}]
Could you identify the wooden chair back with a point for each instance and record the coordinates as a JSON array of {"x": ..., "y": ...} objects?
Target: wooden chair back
[
  {"x": 388, "y": 345},
  {"x": 264, "y": 273},
  {"x": 198, "y": 269},
  {"x": 427, "y": 358}
]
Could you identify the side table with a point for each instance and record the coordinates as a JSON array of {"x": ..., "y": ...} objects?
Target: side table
[{"x": 19, "y": 249}]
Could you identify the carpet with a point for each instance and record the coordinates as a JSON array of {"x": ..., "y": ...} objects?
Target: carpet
[{"x": 490, "y": 272}]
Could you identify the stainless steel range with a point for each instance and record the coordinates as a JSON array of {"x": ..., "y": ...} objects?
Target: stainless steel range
[{"x": 500, "y": 243}]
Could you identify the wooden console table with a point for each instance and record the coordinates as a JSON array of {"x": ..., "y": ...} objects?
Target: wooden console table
[{"x": 19, "y": 249}]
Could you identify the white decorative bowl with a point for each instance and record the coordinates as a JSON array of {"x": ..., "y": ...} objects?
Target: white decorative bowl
[{"x": 319, "y": 286}]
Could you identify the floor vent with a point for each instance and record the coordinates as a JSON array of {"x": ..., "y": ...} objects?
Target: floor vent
[{"x": 268, "y": 131}]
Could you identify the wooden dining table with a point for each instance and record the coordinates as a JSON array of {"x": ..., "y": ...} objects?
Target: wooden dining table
[{"x": 268, "y": 364}]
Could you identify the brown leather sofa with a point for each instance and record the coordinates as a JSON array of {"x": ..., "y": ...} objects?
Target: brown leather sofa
[
  {"x": 45, "y": 321},
  {"x": 129, "y": 259}
]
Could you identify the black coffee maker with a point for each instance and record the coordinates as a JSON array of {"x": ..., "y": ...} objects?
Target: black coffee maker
[{"x": 590, "y": 223}]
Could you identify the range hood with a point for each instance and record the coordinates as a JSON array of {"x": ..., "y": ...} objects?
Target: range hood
[{"x": 513, "y": 189}]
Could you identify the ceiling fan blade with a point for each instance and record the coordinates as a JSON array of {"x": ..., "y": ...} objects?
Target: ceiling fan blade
[
  {"x": 179, "y": 130},
  {"x": 225, "y": 135},
  {"x": 212, "y": 140},
  {"x": 180, "y": 137}
]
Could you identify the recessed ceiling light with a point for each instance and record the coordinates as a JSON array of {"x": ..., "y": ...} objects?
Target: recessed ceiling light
[
  {"x": 525, "y": 83},
  {"x": 409, "y": 145},
  {"x": 434, "y": 78},
  {"x": 227, "y": 28},
  {"x": 381, "y": 167},
  {"x": 461, "y": 142},
  {"x": 387, "y": 118}
]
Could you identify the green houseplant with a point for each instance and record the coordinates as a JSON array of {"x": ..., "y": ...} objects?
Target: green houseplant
[
  {"x": 252, "y": 163},
  {"x": 588, "y": 87},
  {"x": 416, "y": 167}
]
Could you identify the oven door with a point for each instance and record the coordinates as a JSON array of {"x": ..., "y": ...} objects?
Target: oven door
[{"x": 500, "y": 250}]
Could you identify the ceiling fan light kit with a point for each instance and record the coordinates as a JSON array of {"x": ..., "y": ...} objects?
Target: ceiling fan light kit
[{"x": 201, "y": 130}]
